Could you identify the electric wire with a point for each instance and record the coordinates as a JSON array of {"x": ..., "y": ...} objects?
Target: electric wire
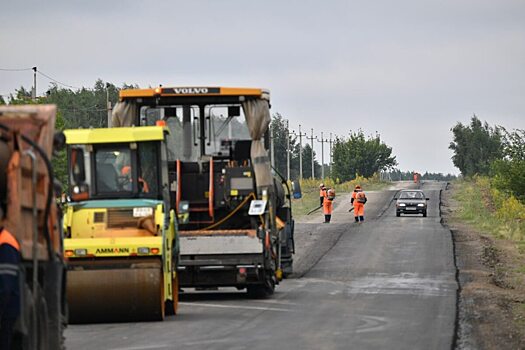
[
  {"x": 15, "y": 69},
  {"x": 56, "y": 81}
]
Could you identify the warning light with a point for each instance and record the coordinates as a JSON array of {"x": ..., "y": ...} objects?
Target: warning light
[
  {"x": 154, "y": 250},
  {"x": 69, "y": 253},
  {"x": 158, "y": 90},
  {"x": 160, "y": 123}
]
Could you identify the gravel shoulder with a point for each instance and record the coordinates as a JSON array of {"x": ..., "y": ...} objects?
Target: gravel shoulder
[{"x": 491, "y": 272}]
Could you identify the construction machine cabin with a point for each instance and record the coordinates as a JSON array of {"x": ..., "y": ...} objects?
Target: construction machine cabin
[{"x": 235, "y": 222}]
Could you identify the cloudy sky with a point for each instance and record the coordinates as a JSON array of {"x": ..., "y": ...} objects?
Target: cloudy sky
[{"x": 408, "y": 70}]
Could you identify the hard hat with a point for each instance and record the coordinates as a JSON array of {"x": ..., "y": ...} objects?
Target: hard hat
[
  {"x": 331, "y": 193},
  {"x": 321, "y": 185},
  {"x": 357, "y": 187}
]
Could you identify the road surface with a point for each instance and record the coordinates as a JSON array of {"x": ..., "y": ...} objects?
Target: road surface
[{"x": 388, "y": 283}]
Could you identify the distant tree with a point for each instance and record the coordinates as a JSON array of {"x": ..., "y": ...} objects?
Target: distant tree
[
  {"x": 438, "y": 176},
  {"x": 85, "y": 107},
  {"x": 278, "y": 129},
  {"x": 509, "y": 172},
  {"x": 307, "y": 163},
  {"x": 475, "y": 147},
  {"x": 359, "y": 155}
]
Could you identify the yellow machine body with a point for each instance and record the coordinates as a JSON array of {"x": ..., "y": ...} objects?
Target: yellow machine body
[{"x": 121, "y": 252}]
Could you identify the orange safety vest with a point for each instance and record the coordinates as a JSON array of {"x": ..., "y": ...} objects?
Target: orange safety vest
[
  {"x": 327, "y": 207},
  {"x": 322, "y": 192},
  {"x": 127, "y": 169},
  {"x": 7, "y": 238}
]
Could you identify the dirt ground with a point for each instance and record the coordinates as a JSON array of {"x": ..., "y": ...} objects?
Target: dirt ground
[{"x": 491, "y": 273}]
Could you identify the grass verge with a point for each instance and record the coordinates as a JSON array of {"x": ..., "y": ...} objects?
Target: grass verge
[{"x": 489, "y": 210}]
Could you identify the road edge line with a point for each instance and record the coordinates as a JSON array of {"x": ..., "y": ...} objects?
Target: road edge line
[{"x": 455, "y": 336}]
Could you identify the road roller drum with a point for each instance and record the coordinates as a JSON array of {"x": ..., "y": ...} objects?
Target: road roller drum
[{"x": 102, "y": 293}]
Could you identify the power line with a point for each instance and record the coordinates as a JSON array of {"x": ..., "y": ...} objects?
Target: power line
[
  {"x": 56, "y": 81},
  {"x": 15, "y": 69}
]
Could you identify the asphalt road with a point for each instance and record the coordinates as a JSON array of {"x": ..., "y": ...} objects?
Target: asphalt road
[{"x": 388, "y": 283}]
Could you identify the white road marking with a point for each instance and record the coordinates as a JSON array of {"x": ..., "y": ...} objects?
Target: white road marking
[
  {"x": 230, "y": 306},
  {"x": 145, "y": 347},
  {"x": 272, "y": 301},
  {"x": 204, "y": 342}
]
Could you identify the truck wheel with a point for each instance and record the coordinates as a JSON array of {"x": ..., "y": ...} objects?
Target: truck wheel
[
  {"x": 37, "y": 322},
  {"x": 43, "y": 341},
  {"x": 398, "y": 214},
  {"x": 262, "y": 291},
  {"x": 425, "y": 214}
]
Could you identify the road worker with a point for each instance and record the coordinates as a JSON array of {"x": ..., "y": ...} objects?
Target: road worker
[
  {"x": 359, "y": 200},
  {"x": 322, "y": 194},
  {"x": 126, "y": 173},
  {"x": 328, "y": 205},
  {"x": 9, "y": 284}
]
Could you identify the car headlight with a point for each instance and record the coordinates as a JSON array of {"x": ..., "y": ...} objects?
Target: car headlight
[
  {"x": 401, "y": 205},
  {"x": 421, "y": 204}
]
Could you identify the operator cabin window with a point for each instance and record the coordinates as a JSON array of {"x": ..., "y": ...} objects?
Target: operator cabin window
[
  {"x": 223, "y": 129},
  {"x": 181, "y": 145},
  {"x": 148, "y": 168},
  {"x": 113, "y": 170}
]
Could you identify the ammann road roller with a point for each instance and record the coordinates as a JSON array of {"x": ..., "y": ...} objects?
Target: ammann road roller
[{"x": 121, "y": 241}]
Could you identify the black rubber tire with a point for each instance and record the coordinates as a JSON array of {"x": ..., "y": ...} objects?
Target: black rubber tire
[
  {"x": 424, "y": 214},
  {"x": 261, "y": 291},
  {"x": 398, "y": 214},
  {"x": 43, "y": 341},
  {"x": 40, "y": 312}
]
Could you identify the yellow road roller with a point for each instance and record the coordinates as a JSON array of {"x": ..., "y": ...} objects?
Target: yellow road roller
[{"x": 121, "y": 240}]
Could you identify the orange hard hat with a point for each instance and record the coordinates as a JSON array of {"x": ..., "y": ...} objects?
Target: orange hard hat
[{"x": 357, "y": 187}]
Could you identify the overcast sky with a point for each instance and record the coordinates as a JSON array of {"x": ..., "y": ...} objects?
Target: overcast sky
[{"x": 407, "y": 69}]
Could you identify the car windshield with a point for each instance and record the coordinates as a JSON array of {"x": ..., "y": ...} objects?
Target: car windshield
[{"x": 411, "y": 195}]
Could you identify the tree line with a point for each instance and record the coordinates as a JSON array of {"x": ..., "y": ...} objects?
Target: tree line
[
  {"x": 353, "y": 155},
  {"x": 481, "y": 149}
]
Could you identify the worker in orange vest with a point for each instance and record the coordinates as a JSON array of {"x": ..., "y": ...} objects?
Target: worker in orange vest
[
  {"x": 9, "y": 286},
  {"x": 126, "y": 171},
  {"x": 322, "y": 194},
  {"x": 328, "y": 205},
  {"x": 358, "y": 200}
]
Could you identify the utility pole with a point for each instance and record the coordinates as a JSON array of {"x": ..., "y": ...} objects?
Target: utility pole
[
  {"x": 287, "y": 150},
  {"x": 322, "y": 154},
  {"x": 331, "y": 159},
  {"x": 108, "y": 105},
  {"x": 272, "y": 156},
  {"x": 300, "y": 135},
  {"x": 33, "y": 93},
  {"x": 312, "y": 138}
]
